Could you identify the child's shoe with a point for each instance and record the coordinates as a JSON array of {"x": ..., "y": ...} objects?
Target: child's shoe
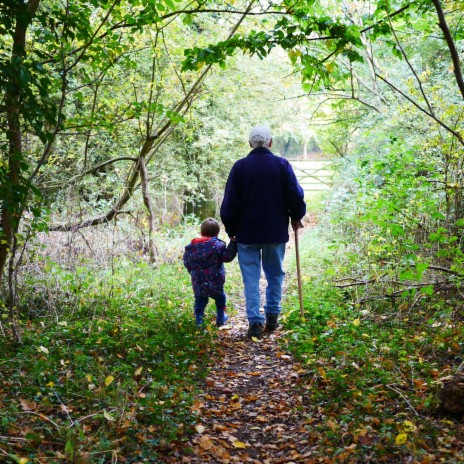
[{"x": 221, "y": 317}]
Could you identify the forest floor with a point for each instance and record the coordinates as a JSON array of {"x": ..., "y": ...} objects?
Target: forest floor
[
  {"x": 332, "y": 397},
  {"x": 120, "y": 374},
  {"x": 251, "y": 408}
]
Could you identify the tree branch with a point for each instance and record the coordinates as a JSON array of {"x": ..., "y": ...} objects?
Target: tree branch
[
  {"x": 451, "y": 45},
  {"x": 90, "y": 171},
  {"x": 439, "y": 121},
  {"x": 144, "y": 152}
]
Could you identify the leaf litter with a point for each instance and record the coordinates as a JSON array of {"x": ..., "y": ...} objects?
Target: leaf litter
[{"x": 251, "y": 408}]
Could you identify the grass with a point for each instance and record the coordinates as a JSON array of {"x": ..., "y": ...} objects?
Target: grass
[
  {"x": 108, "y": 374},
  {"x": 372, "y": 372}
]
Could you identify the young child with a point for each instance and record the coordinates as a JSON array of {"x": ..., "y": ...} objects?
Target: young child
[{"x": 204, "y": 258}]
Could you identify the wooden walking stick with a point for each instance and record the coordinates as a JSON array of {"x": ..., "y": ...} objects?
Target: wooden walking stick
[{"x": 298, "y": 271}]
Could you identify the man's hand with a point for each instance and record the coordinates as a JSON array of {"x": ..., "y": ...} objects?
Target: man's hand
[{"x": 296, "y": 225}]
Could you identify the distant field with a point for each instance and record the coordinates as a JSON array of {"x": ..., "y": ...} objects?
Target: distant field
[{"x": 314, "y": 175}]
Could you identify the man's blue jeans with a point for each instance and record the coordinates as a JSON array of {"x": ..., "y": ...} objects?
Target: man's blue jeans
[{"x": 250, "y": 257}]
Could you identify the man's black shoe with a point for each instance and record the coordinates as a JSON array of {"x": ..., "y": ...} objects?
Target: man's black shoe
[
  {"x": 255, "y": 329},
  {"x": 272, "y": 322}
]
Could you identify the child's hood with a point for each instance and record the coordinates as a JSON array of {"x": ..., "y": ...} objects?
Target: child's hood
[{"x": 200, "y": 240}]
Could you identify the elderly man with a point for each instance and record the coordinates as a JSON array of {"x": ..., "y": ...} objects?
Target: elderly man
[{"x": 261, "y": 196}]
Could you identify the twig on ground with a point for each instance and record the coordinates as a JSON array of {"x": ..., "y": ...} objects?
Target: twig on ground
[
  {"x": 13, "y": 439},
  {"x": 405, "y": 399},
  {"x": 361, "y": 282},
  {"x": 42, "y": 416}
]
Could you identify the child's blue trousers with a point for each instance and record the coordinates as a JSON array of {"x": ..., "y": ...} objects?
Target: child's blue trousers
[{"x": 202, "y": 301}]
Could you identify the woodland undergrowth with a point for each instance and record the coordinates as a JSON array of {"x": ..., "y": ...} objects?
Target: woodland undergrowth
[
  {"x": 108, "y": 365},
  {"x": 374, "y": 369},
  {"x": 109, "y": 369}
]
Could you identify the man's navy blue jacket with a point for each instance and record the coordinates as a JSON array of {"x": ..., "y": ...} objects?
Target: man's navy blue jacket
[{"x": 261, "y": 194}]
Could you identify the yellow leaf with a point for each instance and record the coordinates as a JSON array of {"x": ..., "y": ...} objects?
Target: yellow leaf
[
  {"x": 256, "y": 340},
  {"x": 108, "y": 416},
  {"x": 138, "y": 371},
  {"x": 239, "y": 444},
  {"x": 235, "y": 396},
  {"x": 333, "y": 425},
  {"x": 408, "y": 426},
  {"x": 330, "y": 67},
  {"x": 42, "y": 349},
  {"x": 356, "y": 322},
  {"x": 322, "y": 372},
  {"x": 23, "y": 461},
  {"x": 109, "y": 380},
  {"x": 50, "y": 384},
  {"x": 401, "y": 439},
  {"x": 88, "y": 377},
  {"x": 199, "y": 428}
]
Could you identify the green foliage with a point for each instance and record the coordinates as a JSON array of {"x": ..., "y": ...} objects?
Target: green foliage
[
  {"x": 368, "y": 370},
  {"x": 111, "y": 370}
]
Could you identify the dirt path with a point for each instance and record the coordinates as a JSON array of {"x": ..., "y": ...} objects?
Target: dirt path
[{"x": 251, "y": 409}]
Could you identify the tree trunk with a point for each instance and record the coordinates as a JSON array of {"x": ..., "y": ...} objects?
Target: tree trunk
[
  {"x": 151, "y": 216},
  {"x": 10, "y": 187}
]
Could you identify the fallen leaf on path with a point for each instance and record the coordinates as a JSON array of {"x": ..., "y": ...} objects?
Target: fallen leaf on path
[
  {"x": 239, "y": 444},
  {"x": 205, "y": 442}
]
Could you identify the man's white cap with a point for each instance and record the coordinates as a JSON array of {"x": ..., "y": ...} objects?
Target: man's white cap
[{"x": 260, "y": 134}]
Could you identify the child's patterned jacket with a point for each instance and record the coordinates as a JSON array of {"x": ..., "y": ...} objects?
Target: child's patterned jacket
[{"x": 204, "y": 258}]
